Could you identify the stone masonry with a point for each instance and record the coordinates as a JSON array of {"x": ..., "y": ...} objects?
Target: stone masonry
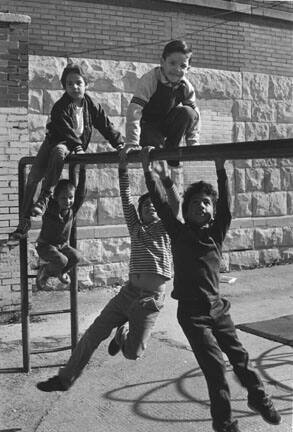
[{"x": 235, "y": 106}]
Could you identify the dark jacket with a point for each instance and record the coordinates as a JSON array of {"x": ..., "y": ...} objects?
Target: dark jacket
[
  {"x": 196, "y": 251},
  {"x": 62, "y": 124},
  {"x": 56, "y": 229}
]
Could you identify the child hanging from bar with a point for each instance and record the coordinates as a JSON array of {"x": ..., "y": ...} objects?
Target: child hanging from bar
[
  {"x": 135, "y": 309},
  {"x": 202, "y": 312},
  {"x": 69, "y": 130},
  {"x": 163, "y": 109},
  {"x": 53, "y": 241}
]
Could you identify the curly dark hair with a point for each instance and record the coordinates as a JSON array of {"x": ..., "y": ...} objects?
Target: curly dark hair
[
  {"x": 72, "y": 68},
  {"x": 176, "y": 45},
  {"x": 195, "y": 188},
  {"x": 141, "y": 200}
]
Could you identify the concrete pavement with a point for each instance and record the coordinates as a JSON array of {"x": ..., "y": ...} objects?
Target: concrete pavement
[{"x": 164, "y": 390}]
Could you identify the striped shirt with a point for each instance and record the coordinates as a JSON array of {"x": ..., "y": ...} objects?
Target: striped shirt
[{"x": 150, "y": 244}]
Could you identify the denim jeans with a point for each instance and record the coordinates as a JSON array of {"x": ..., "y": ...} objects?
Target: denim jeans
[
  {"x": 139, "y": 308},
  {"x": 60, "y": 258},
  {"x": 47, "y": 165},
  {"x": 208, "y": 337},
  {"x": 169, "y": 133}
]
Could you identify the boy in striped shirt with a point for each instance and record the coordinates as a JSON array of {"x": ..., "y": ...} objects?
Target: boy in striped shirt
[{"x": 134, "y": 310}]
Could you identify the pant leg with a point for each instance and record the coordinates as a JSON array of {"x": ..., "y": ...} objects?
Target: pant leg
[
  {"x": 151, "y": 135},
  {"x": 55, "y": 166},
  {"x": 57, "y": 261},
  {"x": 199, "y": 333},
  {"x": 73, "y": 256},
  {"x": 143, "y": 313},
  {"x": 227, "y": 338},
  {"x": 35, "y": 175},
  {"x": 113, "y": 315},
  {"x": 178, "y": 122}
]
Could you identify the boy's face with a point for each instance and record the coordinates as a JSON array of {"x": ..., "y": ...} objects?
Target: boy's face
[
  {"x": 75, "y": 86},
  {"x": 175, "y": 66},
  {"x": 65, "y": 198},
  {"x": 148, "y": 212},
  {"x": 200, "y": 209}
]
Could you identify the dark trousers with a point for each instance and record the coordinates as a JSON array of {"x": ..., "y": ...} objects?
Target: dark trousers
[
  {"x": 60, "y": 259},
  {"x": 209, "y": 337},
  {"x": 48, "y": 165},
  {"x": 169, "y": 132}
]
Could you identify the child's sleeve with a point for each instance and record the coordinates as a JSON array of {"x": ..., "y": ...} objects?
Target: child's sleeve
[
  {"x": 145, "y": 89},
  {"x": 192, "y": 136},
  {"x": 103, "y": 124},
  {"x": 129, "y": 210},
  {"x": 61, "y": 122},
  {"x": 223, "y": 215},
  {"x": 172, "y": 195},
  {"x": 80, "y": 191},
  {"x": 161, "y": 204}
]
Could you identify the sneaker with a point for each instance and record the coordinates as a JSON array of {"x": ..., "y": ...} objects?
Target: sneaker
[
  {"x": 266, "y": 409},
  {"x": 42, "y": 278},
  {"x": 114, "y": 346},
  {"x": 21, "y": 231},
  {"x": 52, "y": 384},
  {"x": 233, "y": 427},
  {"x": 64, "y": 278},
  {"x": 173, "y": 163},
  {"x": 40, "y": 205}
]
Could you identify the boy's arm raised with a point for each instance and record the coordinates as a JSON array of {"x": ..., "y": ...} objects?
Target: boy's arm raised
[
  {"x": 158, "y": 198},
  {"x": 129, "y": 210},
  {"x": 223, "y": 214},
  {"x": 170, "y": 188},
  {"x": 80, "y": 192}
]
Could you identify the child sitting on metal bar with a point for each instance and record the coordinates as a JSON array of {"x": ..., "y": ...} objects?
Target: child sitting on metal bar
[
  {"x": 135, "y": 309},
  {"x": 202, "y": 312},
  {"x": 69, "y": 130},
  {"x": 53, "y": 241},
  {"x": 163, "y": 108}
]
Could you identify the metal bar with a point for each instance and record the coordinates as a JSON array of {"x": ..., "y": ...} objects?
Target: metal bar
[
  {"x": 73, "y": 274},
  {"x": 281, "y": 148},
  {"x": 59, "y": 311},
  {"x": 24, "y": 279}
]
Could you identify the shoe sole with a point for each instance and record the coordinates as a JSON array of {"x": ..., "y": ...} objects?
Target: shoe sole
[
  {"x": 113, "y": 348},
  {"x": 266, "y": 420}
]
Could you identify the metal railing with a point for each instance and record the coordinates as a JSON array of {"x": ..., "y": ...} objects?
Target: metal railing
[{"x": 282, "y": 148}]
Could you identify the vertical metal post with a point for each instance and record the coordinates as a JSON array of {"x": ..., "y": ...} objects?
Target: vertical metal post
[
  {"x": 24, "y": 278},
  {"x": 73, "y": 274}
]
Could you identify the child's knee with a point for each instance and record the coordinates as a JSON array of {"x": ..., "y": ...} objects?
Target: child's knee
[
  {"x": 61, "y": 262},
  {"x": 189, "y": 113},
  {"x": 59, "y": 153}
]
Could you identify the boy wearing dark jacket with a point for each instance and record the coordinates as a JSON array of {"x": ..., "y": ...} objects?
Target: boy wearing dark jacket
[
  {"x": 202, "y": 311},
  {"x": 69, "y": 130}
]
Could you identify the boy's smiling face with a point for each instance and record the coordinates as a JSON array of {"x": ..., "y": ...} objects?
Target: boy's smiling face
[
  {"x": 148, "y": 212},
  {"x": 75, "y": 87},
  {"x": 175, "y": 66},
  {"x": 200, "y": 209},
  {"x": 65, "y": 198}
]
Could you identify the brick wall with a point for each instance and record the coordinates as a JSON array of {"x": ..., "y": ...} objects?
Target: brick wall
[
  {"x": 13, "y": 140},
  {"x": 137, "y": 31}
]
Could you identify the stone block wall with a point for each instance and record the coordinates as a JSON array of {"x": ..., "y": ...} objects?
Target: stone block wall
[{"x": 235, "y": 106}]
